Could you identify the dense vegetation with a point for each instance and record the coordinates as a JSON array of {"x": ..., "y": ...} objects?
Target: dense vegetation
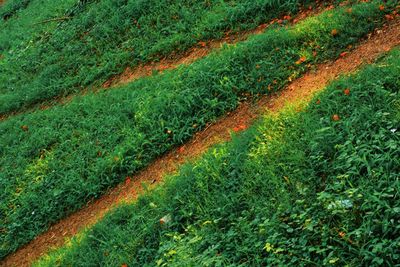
[
  {"x": 21, "y": 23},
  {"x": 315, "y": 188},
  {"x": 106, "y": 36},
  {"x": 52, "y": 162}
]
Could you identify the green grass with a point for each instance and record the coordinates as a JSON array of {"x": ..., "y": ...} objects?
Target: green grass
[
  {"x": 22, "y": 28},
  {"x": 52, "y": 162},
  {"x": 296, "y": 190},
  {"x": 100, "y": 38}
]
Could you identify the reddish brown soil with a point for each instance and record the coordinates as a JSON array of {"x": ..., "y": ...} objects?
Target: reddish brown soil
[
  {"x": 197, "y": 52},
  {"x": 301, "y": 89}
]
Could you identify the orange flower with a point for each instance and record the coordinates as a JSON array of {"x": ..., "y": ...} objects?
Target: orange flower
[
  {"x": 203, "y": 44},
  {"x": 127, "y": 180},
  {"x": 342, "y": 234},
  {"x": 239, "y": 128},
  {"x": 343, "y": 54},
  {"x": 346, "y": 91},
  {"x": 334, "y": 32},
  {"x": 381, "y": 7},
  {"x": 181, "y": 149},
  {"x": 301, "y": 60},
  {"x": 124, "y": 265},
  {"x": 242, "y": 127},
  {"x": 335, "y": 117}
]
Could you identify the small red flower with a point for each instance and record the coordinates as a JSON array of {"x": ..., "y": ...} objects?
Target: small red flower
[
  {"x": 346, "y": 91},
  {"x": 301, "y": 60},
  {"x": 239, "y": 128},
  {"x": 335, "y": 117}
]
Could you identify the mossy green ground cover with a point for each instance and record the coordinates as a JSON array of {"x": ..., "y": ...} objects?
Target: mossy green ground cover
[
  {"x": 52, "y": 162},
  {"x": 98, "y": 39},
  {"x": 300, "y": 189}
]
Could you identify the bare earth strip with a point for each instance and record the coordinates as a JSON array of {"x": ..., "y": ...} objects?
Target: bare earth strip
[
  {"x": 301, "y": 89},
  {"x": 201, "y": 50}
]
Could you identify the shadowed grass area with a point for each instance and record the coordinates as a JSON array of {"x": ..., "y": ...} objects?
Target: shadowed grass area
[
  {"x": 54, "y": 161},
  {"x": 316, "y": 187}
]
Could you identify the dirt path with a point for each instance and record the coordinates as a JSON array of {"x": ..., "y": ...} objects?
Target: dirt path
[
  {"x": 201, "y": 50},
  {"x": 301, "y": 89}
]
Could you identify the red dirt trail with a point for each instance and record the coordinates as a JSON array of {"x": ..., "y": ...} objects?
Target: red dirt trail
[
  {"x": 303, "y": 89},
  {"x": 201, "y": 50}
]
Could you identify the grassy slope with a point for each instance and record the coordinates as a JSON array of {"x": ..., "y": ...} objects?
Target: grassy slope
[
  {"x": 300, "y": 189},
  {"x": 64, "y": 156},
  {"x": 22, "y": 28},
  {"x": 104, "y": 37}
]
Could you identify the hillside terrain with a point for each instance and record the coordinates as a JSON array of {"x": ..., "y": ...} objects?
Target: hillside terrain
[{"x": 199, "y": 133}]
